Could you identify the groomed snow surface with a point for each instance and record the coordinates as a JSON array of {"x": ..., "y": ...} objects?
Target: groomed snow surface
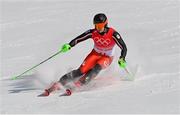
[{"x": 33, "y": 30}]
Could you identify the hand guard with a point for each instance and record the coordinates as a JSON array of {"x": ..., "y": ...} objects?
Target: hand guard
[
  {"x": 65, "y": 48},
  {"x": 122, "y": 62}
]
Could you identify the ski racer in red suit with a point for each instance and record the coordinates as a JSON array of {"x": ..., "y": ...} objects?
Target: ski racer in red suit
[{"x": 105, "y": 38}]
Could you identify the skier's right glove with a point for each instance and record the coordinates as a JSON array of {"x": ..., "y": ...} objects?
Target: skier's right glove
[{"x": 66, "y": 47}]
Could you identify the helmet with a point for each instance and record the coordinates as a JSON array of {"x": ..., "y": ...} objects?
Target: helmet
[
  {"x": 99, "y": 18},
  {"x": 100, "y": 21}
]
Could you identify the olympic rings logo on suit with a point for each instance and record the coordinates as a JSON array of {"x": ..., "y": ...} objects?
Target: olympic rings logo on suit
[{"x": 102, "y": 41}]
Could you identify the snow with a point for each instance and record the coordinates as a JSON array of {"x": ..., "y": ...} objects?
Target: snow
[{"x": 32, "y": 31}]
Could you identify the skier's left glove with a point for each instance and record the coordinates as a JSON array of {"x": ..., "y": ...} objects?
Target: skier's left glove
[
  {"x": 122, "y": 62},
  {"x": 66, "y": 47}
]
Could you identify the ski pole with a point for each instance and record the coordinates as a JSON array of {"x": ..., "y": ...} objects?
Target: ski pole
[
  {"x": 129, "y": 74},
  {"x": 16, "y": 77}
]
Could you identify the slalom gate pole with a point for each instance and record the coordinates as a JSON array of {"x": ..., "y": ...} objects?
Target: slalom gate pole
[{"x": 16, "y": 77}]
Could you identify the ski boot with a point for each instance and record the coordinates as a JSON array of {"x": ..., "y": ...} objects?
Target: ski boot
[{"x": 55, "y": 86}]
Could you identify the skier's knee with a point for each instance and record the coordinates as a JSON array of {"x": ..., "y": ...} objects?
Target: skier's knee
[{"x": 97, "y": 68}]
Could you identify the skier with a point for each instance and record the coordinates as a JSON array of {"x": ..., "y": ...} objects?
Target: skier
[{"x": 99, "y": 58}]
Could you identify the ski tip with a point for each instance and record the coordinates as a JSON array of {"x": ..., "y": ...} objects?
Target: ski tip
[
  {"x": 41, "y": 95},
  {"x": 44, "y": 94}
]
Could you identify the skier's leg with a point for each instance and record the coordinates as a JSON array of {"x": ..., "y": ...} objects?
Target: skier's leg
[
  {"x": 105, "y": 61},
  {"x": 87, "y": 65},
  {"x": 70, "y": 76},
  {"x": 89, "y": 62},
  {"x": 90, "y": 74},
  {"x": 64, "y": 79},
  {"x": 102, "y": 63}
]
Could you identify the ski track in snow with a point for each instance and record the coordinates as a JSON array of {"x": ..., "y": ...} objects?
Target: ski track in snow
[{"x": 33, "y": 30}]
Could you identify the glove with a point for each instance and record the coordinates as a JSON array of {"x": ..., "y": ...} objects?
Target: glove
[
  {"x": 66, "y": 47},
  {"x": 122, "y": 62}
]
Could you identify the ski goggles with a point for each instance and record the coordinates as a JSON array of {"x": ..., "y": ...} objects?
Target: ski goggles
[{"x": 100, "y": 26}]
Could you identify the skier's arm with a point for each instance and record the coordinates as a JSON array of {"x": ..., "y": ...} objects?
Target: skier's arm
[
  {"x": 119, "y": 41},
  {"x": 86, "y": 35},
  {"x": 66, "y": 47}
]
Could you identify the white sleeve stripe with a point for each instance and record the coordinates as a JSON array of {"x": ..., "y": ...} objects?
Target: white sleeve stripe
[
  {"x": 118, "y": 43},
  {"x": 82, "y": 37}
]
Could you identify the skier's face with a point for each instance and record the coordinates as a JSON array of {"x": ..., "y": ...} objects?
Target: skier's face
[{"x": 100, "y": 26}]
